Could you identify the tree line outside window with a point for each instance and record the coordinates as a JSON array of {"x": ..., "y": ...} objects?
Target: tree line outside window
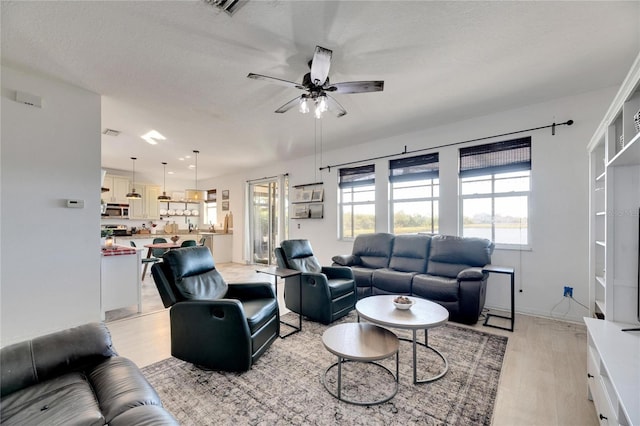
[{"x": 494, "y": 190}]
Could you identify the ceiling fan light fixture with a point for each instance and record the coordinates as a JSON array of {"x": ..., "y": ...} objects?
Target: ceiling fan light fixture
[{"x": 304, "y": 105}]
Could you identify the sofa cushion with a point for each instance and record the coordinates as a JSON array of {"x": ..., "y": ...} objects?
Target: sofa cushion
[
  {"x": 374, "y": 250},
  {"x": 65, "y": 400},
  {"x": 449, "y": 254},
  {"x": 259, "y": 312},
  {"x": 438, "y": 289},
  {"x": 388, "y": 281},
  {"x": 410, "y": 253}
]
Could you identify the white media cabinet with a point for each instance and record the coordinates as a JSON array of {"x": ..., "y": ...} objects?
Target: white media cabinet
[{"x": 613, "y": 372}]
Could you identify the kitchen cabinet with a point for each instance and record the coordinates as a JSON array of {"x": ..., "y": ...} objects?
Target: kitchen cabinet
[
  {"x": 147, "y": 206},
  {"x": 118, "y": 189}
]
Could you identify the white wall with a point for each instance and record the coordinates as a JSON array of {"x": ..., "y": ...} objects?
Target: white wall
[
  {"x": 49, "y": 254},
  {"x": 559, "y": 197}
]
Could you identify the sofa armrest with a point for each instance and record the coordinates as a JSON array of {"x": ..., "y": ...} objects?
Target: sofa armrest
[
  {"x": 471, "y": 274},
  {"x": 346, "y": 260},
  {"x": 337, "y": 272},
  {"x": 245, "y": 291}
]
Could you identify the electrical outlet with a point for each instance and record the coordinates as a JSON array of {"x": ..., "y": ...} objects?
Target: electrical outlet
[{"x": 568, "y": 291}]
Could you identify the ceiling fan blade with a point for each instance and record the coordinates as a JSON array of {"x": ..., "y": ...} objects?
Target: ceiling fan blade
[
  {"x": 356, "y": 87},
  {"x": 320, "y": 65},
  {"x": 335, "y": 107},
  {"x": 286, "y": 107},
  {"x": 276, "y": 81}
]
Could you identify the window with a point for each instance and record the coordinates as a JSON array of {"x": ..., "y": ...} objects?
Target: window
[
  {"x": 357, "y": 201},
  {"x": 495, "y": 182},
  {"x": 211, "y": 206},
  {"x": 414, "y": 194}
]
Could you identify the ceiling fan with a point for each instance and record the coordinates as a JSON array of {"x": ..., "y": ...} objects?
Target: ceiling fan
[{"x": 316, "y": 84}]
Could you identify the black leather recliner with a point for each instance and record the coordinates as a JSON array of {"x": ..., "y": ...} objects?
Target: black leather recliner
[
  {"x": 213, "y": 324},
  {"x": 328, "y": 293}
]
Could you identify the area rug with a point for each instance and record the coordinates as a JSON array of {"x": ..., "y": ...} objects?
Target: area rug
[{"x": 285, "y": 387}]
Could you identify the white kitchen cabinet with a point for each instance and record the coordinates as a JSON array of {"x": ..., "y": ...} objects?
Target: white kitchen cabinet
[
  {"x": 118, "y": 189},
  {"x": 147, "y": 206}
]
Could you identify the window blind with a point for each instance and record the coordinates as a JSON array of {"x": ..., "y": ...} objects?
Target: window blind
[
  {"x": 357, "y": 176},
  {"x": 498, "y": 157},
  {"x": 414, "y": 168}
]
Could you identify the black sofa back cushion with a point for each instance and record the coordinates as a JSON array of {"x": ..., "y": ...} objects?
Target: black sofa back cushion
[
  {"x": 33, "y": 361},
  {"x": 299, "y": 256},
  {"x": 410, "y": 253},
  {"x": 450, "y": 255},
  {"x": 194, "y": 273},
  {"x": 374, "y": 250}
]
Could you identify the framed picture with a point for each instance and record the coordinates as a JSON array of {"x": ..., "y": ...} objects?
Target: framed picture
[
  {"x": 297, "y": 195},
  {"x": 225, "y": 194},
  {"x": 225, "y": 205},
  {"x": 306, "y": 195},
  {"x": 316, "y": 211},
  {"x": 317, "y": 195},
  {"x": 301, "y": 211}
]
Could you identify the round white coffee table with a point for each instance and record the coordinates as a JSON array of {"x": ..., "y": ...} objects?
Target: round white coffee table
[
  {"x": 423, "y": 315},
  {"x": 364, "y": 343}
]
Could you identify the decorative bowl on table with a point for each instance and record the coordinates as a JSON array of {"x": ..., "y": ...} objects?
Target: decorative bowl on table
[
  {"x": 402, "y": 302},
  {"x": 175, "y": 239}
]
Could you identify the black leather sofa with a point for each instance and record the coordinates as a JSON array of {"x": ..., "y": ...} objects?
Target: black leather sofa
[
  {"x": 74, "y": 377},
  {"x": 441, "y": 268},
  {"x": 214, "y": 325}
]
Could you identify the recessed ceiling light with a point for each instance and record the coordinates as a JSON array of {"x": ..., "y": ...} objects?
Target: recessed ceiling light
[
  {"x": 171, "y": 173},
  {"x": 181, "y": 158},
  {"x": 153, "y": 137}
]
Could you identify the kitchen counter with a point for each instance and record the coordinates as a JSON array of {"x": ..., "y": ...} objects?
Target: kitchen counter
[{"x": 183, "y": 235}]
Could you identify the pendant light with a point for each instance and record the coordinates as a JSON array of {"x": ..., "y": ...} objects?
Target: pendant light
[
  {"x": 193, "y": 195},
  {"x": 133, "y": 195},
  {"x": 164, "y": 196}
]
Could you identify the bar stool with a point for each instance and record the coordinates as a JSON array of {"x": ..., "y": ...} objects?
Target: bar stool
[{"x": 146, "y": 259}]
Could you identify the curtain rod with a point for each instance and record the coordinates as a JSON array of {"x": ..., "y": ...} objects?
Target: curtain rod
[
  {"x": 266, "y": 177},
  {"x": 553, "y": 132}
]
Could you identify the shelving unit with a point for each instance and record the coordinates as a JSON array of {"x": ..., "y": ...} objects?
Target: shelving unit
[
  {"x": 183, "y": 205},
  {"x": 308, "y": 201},
  {"x": 614, "y": 203}
]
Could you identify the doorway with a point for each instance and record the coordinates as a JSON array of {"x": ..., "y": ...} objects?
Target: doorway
[{"x": 268, "y": 199}]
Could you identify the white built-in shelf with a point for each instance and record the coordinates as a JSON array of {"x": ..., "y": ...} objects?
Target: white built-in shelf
[
  {"x": 601, "y": 243},
  {"x": 601, "y": 177},
  {"x": 629, "y": 155},
  {"x": 601, "y": 280},
  {"x": 601, "y": 213},
  {"x": 600, "y": 306}
]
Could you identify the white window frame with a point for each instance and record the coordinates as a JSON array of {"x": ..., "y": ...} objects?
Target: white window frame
[
  {"x": 493, "y": 196},
  {"x": 353, "y": 189},
  {"x": 494, "y": 162}
]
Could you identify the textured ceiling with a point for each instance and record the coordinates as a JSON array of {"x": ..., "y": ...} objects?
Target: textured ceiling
[{"x": 180, "y": 67}]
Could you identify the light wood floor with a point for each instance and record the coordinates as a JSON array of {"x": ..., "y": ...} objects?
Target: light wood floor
[{"x": 543, "y": 379}]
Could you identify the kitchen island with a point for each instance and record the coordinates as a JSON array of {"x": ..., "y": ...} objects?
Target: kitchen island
[
  {"x": 120, "y": 278},
  {"x": 220, "y": 244}
]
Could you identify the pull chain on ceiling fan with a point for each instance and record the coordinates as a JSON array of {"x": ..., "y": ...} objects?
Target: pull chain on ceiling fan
[{"x": 316, "y": 84}]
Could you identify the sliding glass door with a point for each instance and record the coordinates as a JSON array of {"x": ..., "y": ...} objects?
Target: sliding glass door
[{"x": 267, "y": 218}]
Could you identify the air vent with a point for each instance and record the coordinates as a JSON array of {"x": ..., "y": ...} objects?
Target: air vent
[
  {"x": 111, "y": 132},
  {"x": 229, "y": 6}
]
